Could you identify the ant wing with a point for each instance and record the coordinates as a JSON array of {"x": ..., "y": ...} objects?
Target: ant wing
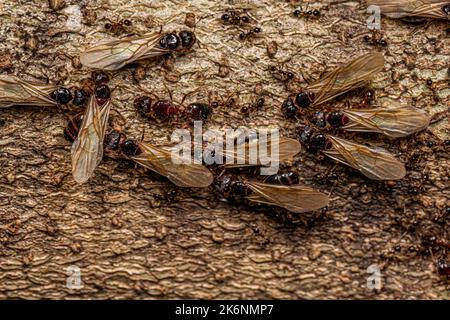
[
  {"x": 295, "y": 198},
  {"x": 287, "y": 149},
  {"x": 347, "y": 77},
  {"x": 392, "y": 122},
  {"x": 374, "y": 163},
  {"x": 14, "y": 91},
  {"x": 113, "y": 55},
  {"x": 87, "y": 149},
  {"x": 173, "y": 167},
  {"x": 415, "y": 8}
]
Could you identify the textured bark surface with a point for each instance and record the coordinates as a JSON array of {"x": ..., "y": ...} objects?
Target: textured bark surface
[{"x": 134, "y": 235}]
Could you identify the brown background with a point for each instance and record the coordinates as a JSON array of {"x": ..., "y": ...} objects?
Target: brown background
[{"x": 134, "y": 235}]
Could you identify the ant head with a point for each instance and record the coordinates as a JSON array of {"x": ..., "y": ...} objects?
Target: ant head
[
  {"x": 188, "y": 39},
  {"x": 304, "y": 99}
]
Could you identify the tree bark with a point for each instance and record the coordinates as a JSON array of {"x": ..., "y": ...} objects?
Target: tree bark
[{"x": 132, "y": 235}]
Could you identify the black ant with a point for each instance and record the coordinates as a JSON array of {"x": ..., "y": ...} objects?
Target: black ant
[
  {"x": 306, "y": 13},
  {"x": 257, "y": 105},
  {"x": 375, "y": 39},
  {"x": 235, "y": 18},
  {"x": 280, "y": 74},
  {"x": 245, "y": 35}
]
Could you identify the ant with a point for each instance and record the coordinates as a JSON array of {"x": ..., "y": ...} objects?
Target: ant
[
  {"x": 308, "y": 13},
  {"x": 245, "y": 35},
  {"x": 375, "y": 39},
  {"x": 118, "y": 27},
  {"x": 165, "y": 110},
  {"x": 235, "y": 18},
  {"x": 280, "y": 74},
  {"x": 257, "y": 105}
]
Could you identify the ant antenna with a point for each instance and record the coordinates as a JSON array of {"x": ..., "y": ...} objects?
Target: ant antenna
[
  {"x": 307, "y": 80},
  {"x": 142, "y": 136},
  {"x": 188, "y": 94},
  {"x": 168, "y": 91}
]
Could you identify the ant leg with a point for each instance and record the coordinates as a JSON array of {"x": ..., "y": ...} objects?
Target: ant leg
[{"x": 307, "y": 80}]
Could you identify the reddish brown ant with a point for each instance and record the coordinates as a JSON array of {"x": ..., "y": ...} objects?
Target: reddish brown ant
[
  {"x": 166, "y": 110},
  {"x": 118, "y": 27},
  {"x": 160, "y": 110}
]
